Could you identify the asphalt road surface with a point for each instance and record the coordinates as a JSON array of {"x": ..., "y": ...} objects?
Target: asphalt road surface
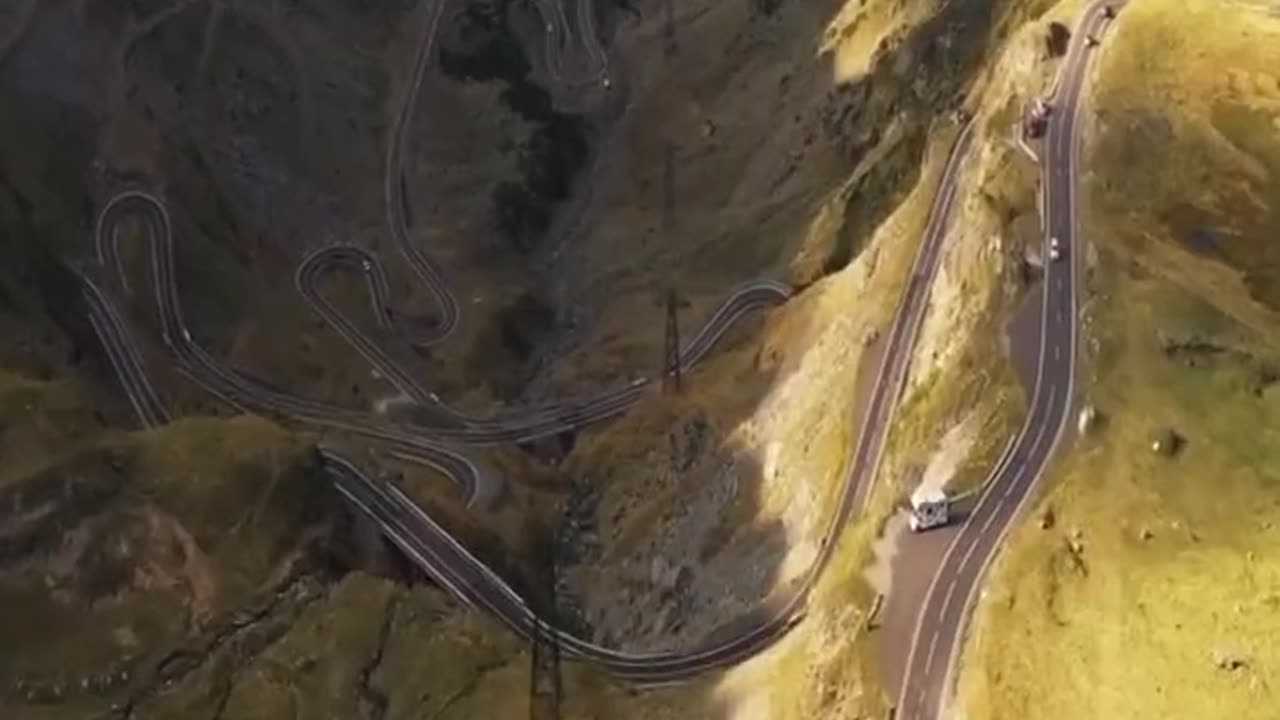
[
  {"x": 560, "y": 37},
  {"x": 426, "y": 444},
  {"x": 939, "y": 628},
  {"x": 407, "y": 525},
  {"x": 456, "y": 569},
  {"x": 411, "y": 529}
]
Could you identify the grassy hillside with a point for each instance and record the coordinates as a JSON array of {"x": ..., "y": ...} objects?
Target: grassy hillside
[
  {"x": 806, "y": 141},
  {"x": 697, "y": 507},
  {"x": 125, "y": 556},
  {"x": 1153, "y": 591}
]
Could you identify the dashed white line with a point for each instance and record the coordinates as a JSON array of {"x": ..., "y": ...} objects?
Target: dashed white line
[
  {"x": 946, "y": 600},
  {"x": 933, "y": 647},
  {"x": 1008, "y": 491}
]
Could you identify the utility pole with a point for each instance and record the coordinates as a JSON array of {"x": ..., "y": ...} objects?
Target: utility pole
[
  {"x": 545, "y": 682},
  {"x": 671, "y": 371}
]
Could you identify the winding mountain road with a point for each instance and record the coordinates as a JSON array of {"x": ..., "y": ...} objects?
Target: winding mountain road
[
  {"x": 430, "y": 545},
  {"x": 466, "y": 576},
  {"x": 125, "y": 358},
  {"x": 394, "y": 190},
  {"x": 560, "y": 40},
  {"x": 407, "y": 525},
  {"x": 940, "y": 625},
  {"x": 430, "y": 445},
  {"x": 515, "y": 426}
]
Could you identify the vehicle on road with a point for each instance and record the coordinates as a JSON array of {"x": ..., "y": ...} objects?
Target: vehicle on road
[
  {"x": 1055, "y": 249},
  {"x": 927, "y": 688},
  {"x": 1091, "y": 41},
  {"x": 930, "y": 508},
  {"x": 1108, "y": 11}
]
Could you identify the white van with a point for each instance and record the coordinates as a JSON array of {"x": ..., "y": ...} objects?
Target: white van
[{"x": 929, "y": 509}]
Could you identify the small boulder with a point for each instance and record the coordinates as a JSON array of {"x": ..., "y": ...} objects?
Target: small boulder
[
  {"x": 1047, "y": 519},
  {"x": 1167, "y": 442},
  {"x": 1227, "y": 659},
  {"x": 658, "y": 570},
  {"x": 1087, "y": 420}
]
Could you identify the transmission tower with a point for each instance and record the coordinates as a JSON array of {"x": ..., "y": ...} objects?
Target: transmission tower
[
  {"x": 671, "y": 371},
  {"x": 545, "y": 682}
]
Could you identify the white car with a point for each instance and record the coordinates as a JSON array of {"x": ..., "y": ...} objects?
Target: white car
[{"x": 1055, "y": 250}]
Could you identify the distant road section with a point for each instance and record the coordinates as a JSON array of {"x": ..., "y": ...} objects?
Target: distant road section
[
  {"x": 394, "y": 189},
  {"x": 426, "y": 445}
]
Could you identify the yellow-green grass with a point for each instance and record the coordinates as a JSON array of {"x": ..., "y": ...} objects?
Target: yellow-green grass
[
  {"x": 859, "y": 30},
  {"x": 825, "y": 668},
  {"x": 977, "y": 383},
  {"x": 981, "y": 382},
  {"x": 435, "y": 660},
  {"x": 1157, "y": 568},
  {"x": 1130, "y": 633},
  {"x": 175, "y": 527},
  {"x": 1189, "y": 133},
  {"x": 829, "y": 670},
  {"x": 476, "y": 669},
  {"x": 42, "y": 419},
  {"x": 242, "y": 487},
  {"x": 315, "y": 669},
  {"x": 844, "y": 680}
]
